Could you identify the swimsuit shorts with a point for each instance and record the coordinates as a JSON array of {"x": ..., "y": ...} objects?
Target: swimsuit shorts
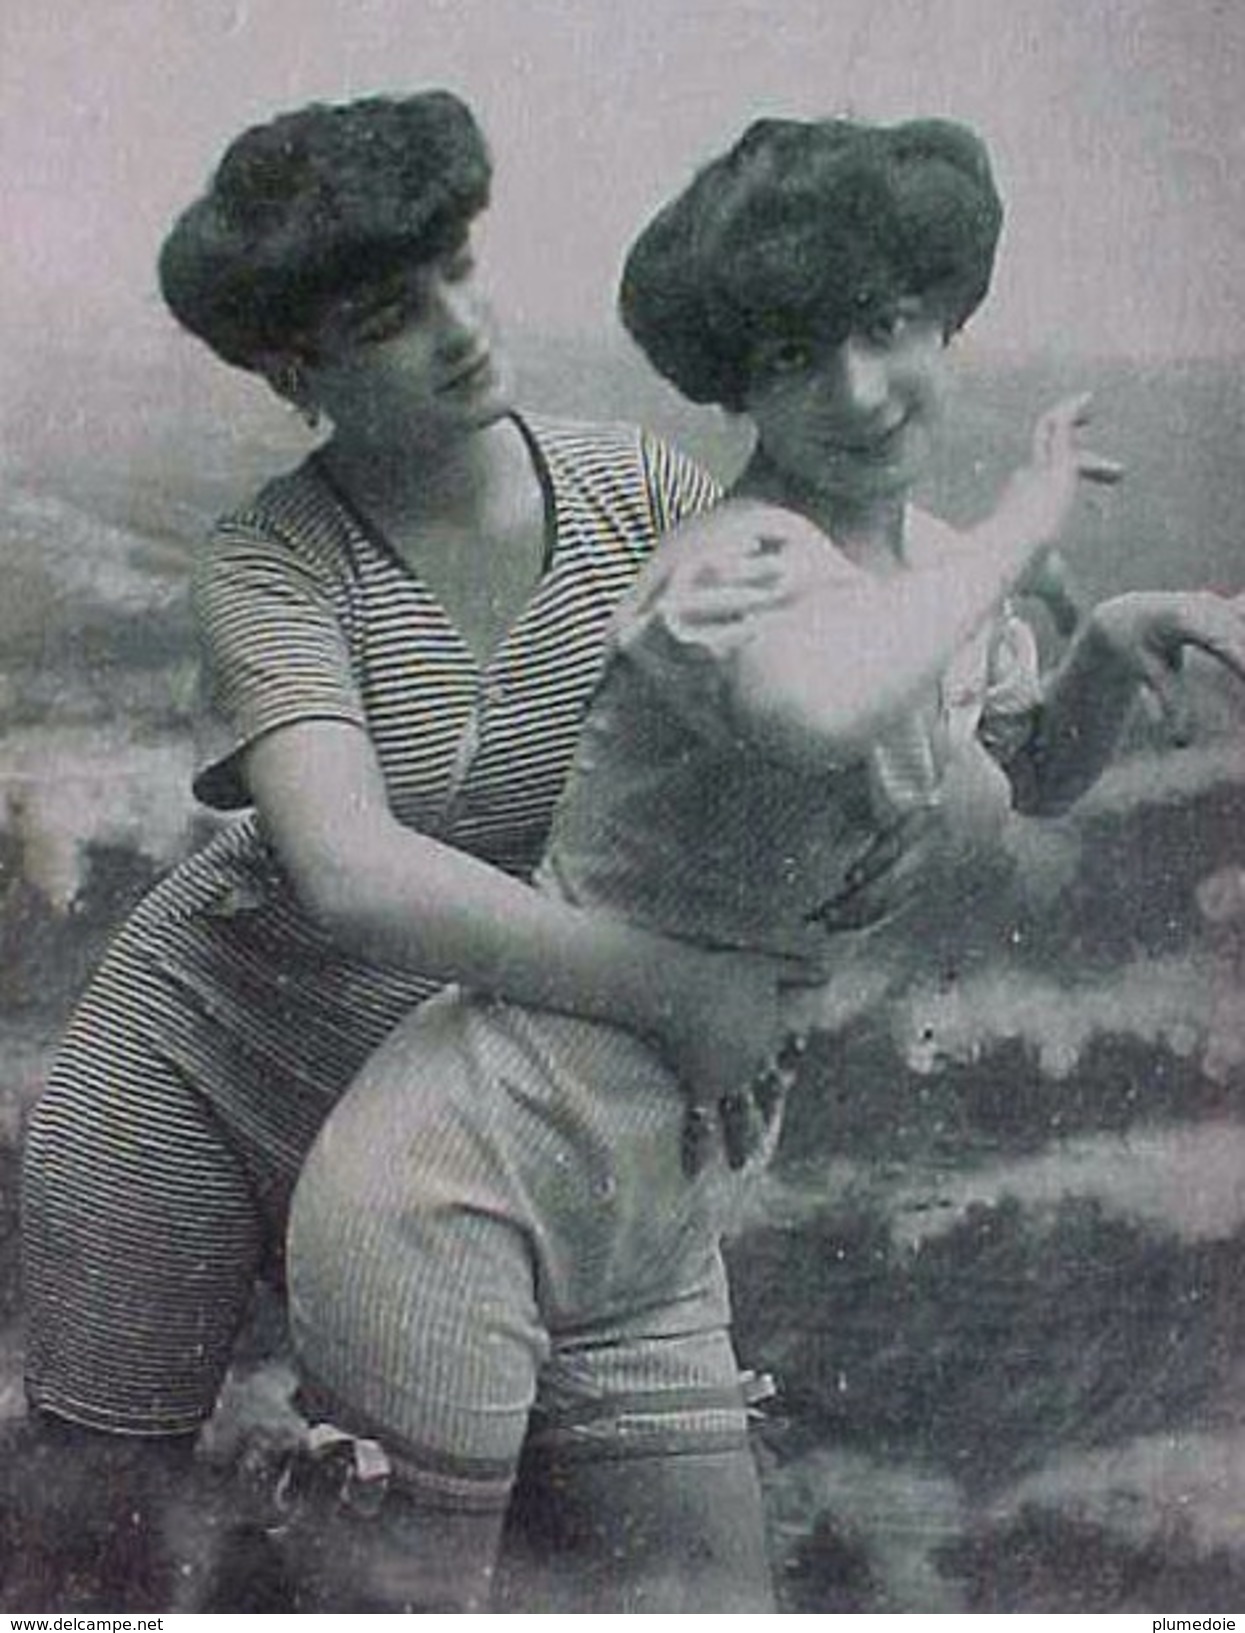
[{"x": 494, "y": 1247}]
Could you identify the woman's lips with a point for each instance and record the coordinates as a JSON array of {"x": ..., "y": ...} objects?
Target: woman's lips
[
  {"x": 878, "y": 447},
  {"x": 472, "y": 374}
]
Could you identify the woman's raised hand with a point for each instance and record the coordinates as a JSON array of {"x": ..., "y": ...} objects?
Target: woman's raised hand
[
  {"x": 1038, "y": 499},
  {"x": 1149, "y": 631}
]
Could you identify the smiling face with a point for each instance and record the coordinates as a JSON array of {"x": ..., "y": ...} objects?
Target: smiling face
[
  {"x": 852, "y": 418},
  {"x": 413, "y": 355}
]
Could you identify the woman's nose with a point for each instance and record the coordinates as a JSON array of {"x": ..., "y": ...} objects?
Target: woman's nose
[
  {"x": 864, "y": 379},
  {"x": 462, "y": 313}
]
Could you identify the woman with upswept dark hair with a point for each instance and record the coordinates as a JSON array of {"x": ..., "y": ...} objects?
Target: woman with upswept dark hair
[
  {"x": 401, "y": 637},
  {"x": 809, "y": 228},
  {"x": 816, "y": 716}
]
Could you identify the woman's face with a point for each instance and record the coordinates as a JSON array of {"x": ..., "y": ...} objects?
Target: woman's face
[
  {"x": 414, "y": 353},
  {"x": 853, "y": 419}
]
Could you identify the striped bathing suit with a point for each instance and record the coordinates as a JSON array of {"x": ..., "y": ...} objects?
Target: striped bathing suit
[
  {"x": 223, "y": 1025},
  {"x": 493, "y": 1245}
]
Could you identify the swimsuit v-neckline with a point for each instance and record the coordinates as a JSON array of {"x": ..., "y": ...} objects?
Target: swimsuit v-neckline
[{"x": 482, "y": 667}]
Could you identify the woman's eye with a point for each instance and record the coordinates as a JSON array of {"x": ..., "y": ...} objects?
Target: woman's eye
[
  {"x": 387, "y": 315},
  {"x": 788, "y": 357},
  {"x": 383, "y": 322},
  {"x": 885, "y": 328},
  {"x": 890, "y": 326}
]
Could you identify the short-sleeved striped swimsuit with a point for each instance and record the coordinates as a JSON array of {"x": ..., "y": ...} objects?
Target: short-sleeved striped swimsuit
[{"x": 223, "y": 1024}]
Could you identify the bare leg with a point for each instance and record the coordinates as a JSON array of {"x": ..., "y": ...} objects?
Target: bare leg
[
  {"x": 677, "y": 1534},
  {"x": 405, "y": 1557},
  {"x": 88, "y": 1520}
]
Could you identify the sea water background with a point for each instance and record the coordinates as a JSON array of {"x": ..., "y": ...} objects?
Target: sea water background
[{"x": 995, "y": 1268}]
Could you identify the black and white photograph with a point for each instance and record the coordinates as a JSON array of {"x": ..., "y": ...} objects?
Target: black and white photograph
[{"x": 622, "y": 807}]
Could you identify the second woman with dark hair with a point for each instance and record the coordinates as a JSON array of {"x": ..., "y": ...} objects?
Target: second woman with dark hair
[
  {"x": 402, "y": 635},
  {"x": 815, "y": 718}
]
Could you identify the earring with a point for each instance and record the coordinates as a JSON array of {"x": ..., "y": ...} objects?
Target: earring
[{"x": 290, "y": 382}]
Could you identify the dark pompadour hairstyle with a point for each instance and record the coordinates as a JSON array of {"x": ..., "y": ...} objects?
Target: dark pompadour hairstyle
[
  {"x": 803, "y": 228},
  {"x": 315, "y": 204}
]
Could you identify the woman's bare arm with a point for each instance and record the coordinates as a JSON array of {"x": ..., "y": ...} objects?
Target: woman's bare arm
[
  {"x": 390, "y": 894},
  {"x": 825, "y": 676},
  {"x": 1127, "y": 641}
]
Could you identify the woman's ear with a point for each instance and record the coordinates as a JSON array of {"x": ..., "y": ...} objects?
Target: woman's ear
[{"x": 286, "y": 373}]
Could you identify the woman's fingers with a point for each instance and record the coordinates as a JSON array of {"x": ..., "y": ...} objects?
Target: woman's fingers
[
  {"x": 1215, "y": 624},
  {"x": 698, "y": 1137},
  {"x": 748, "y": 570},
  {"x": 1040, "y": 496},
  {"x": 1054, "y": 430},
  {"x": 736, "y": 1117},
  {"x": 743, "y": 1127},
  {"x": 724, "y": 570},
  {"x": 1158, "y": 626},
  {"x": 1162, "y": 673},
  {"x": 1054, "y": 439},
  {"x": 1098, "y": 468},
  {"x": 743, "y": 1118},
  {"x": 1223, "y": 636},
  {"x": 710, "y": 605}
]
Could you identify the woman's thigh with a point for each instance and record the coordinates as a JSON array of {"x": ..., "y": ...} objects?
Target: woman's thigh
[
  {"x": 141, "y": 1238},
  {"x": 667, "y": 1533},
  {"x": 421, "y": 1307},
  {"x": 493, "y": 1220},
  {"x": 414, "y": 1311}
]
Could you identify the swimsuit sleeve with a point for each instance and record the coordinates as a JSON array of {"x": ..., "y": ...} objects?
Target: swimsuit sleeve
[
  {"x": 274, "y": 647},
  {"x": 678, "y": 487}
]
